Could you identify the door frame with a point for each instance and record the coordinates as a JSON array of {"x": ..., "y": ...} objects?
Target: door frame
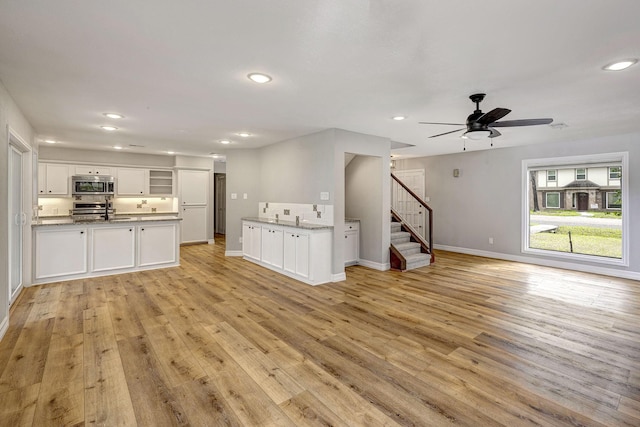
[{"x": 17, "y": 143}]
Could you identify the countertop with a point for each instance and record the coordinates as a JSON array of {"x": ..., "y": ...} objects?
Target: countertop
[
  {"x": 116, "y": 219},
  {"x": 302, "y": 225}
]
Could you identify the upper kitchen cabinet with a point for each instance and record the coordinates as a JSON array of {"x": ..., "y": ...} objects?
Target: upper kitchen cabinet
[
  {"x": 132, "y": 182},
  {"x": 194, "y": 187},
  {"x": 53, "y": 179},
  {"x": 92, "y": 170}
]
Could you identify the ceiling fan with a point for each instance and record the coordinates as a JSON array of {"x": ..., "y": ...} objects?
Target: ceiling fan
[{"x": 481, "y": 125}]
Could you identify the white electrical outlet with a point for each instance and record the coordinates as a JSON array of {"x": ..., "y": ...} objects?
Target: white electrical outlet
[
  {"x": 491, "y": 240},
  {"x": 240, "y": 239}
]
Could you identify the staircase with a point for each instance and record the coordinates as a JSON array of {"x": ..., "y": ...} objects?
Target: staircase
[
  {"x": 409, "y": 249},
  {"x": 408, "y": 253}
]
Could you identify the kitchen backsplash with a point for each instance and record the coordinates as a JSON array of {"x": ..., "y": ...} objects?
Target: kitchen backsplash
[
  {"x": 315, "y": 214},
  {"x": 123, "y": 205}
]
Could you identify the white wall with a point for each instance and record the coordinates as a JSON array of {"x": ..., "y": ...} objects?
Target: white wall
[
  {"x": 70, "y": 155},
  {"x": 486, "y": 200},
  {"x": 10, "y": 117}
]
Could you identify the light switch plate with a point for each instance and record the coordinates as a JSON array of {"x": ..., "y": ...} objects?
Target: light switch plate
[
  {"x": 324, "y": 195},
  {"x": 234, "y": 196},
  {"x": 244, "y": 196}
]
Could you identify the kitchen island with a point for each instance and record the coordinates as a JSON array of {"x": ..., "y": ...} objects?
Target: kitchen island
[
  {"x": 301, "y": 250},
  {"x": 66, "y": 249}
]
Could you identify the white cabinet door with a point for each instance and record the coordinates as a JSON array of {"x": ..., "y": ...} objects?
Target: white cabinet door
[
  {"x": 132, "y": 182},
  {"x": 157, "y": 244},
  {"x": 251, "y": 240},
  {"x": 351, "y": 247},
  {"x": 42, "y": 178},
  {"x": 92, "y": 170},
  {"x": 112, "y": 248},
  {"x": 53, "y": 179},
  {"x": 296, "y": 253},
  {"x": 194, "y": 187},
  {"x": 61, "y": 252},
  {"x": 272, "y": 246},
  {"x": 194, "y": 224}
]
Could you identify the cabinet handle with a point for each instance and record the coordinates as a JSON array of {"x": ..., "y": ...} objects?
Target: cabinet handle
[
  {"x": 345, "y": 237},
  {"x": 82, "y": 232},
  {"x": 142, "y": 229},
  {"x": 130, "y": 229},
  {"x": 49, "y": 191}
]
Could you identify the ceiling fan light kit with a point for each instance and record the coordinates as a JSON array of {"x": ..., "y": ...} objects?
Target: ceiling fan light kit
[{"x": 481, "y": 125}]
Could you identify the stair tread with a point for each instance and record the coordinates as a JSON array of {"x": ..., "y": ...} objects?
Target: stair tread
[
  {"x": 416, "y": 257},
  {"x": 406, "y": 245}
]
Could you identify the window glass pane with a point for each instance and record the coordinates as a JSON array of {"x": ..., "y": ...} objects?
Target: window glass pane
[
  {"x": 581, "y": 174},
  {"x": 615, "y": 172},
  {"x": 551, "y": 175},
  {"x": 553, "y": 200},
  {"x": 614, "y": 200}
]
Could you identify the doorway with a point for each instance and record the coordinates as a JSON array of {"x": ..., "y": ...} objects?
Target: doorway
[
  {"x": 18, "y": 158},
  {"x": 583, "y": 201},
  {"x": 220, "y": 203}
]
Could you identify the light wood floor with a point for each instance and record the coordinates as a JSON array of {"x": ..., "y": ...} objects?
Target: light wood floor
[{"x": 219, "y": 341}]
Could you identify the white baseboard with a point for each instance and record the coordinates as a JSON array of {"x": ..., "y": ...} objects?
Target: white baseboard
[
  {"x": 339, "y": 277},
  {"x": 232, "y": 253},
  {"x": 624, "y": 274},
  {"x": 4, "y": 326},
  {"x": 211, "y": 241},
  {"x": 375, "y": 265}
]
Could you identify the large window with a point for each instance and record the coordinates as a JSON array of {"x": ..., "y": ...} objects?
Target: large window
[
  {"x": 553, "y": 200},
  {"x": 592, "y": 224}
]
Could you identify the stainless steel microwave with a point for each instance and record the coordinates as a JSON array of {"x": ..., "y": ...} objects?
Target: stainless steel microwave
[{"x": 92, "y": 184}]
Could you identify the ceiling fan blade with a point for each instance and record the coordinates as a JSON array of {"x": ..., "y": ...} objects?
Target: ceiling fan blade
[
  {"x": 447, "y": 133},
  {"x": 493, "y": 115},
  {"x": 524, "y": 122},
  {"x": 435, "y": 123},
  {"x": 494, "y": 133}
]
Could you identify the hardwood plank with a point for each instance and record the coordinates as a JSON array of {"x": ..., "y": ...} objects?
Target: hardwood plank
[
  {"x": 205, "y": 404},
  {"x": 18, "y": 406},
  {"x": 177, "y": 362},
  {"x": 61, "y": 398},
  {"x": 305, "y": 409},
  {"x": 27, "y": 361},
  {"x": 107, "y": 399}
]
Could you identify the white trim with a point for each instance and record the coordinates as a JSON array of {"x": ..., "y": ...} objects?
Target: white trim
[
  {"x": 233, "y": 253},
  {"x": 210, "y": 242},
  {"x": 624, "y": 274},
  {"x": 4, "y": 326},
  {"x": 339, "y": 277},
  {"x": 621, "y": 158},
  {"x": 375, "y": 265}
]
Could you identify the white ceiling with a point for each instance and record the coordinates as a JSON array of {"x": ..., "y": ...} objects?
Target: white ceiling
[{"x": 177, "y": 69}]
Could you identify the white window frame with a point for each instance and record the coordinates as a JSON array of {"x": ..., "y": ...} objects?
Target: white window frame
[
  {"x": 555, "y": 175},
  {"x": 621, "y": 158},
  {"x": 585, "y": 175},
  {"x": 546, "y": 200}
]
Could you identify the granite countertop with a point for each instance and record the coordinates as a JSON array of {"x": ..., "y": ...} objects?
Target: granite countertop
[
  {"x": 352, "y": 220},
  {"x": 116, "y": 219},
  {"x": 302, "y": 225}
]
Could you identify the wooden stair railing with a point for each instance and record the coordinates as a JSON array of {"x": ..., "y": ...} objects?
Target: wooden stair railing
[{"x": 426, "y": 244}]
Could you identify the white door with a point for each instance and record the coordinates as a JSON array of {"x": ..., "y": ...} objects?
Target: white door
[
  {"x": 17, "y": 219},
  {"x": 113, "y": 248},
  {"x": 194, "y": 187},
  {"x": 156, "y": 244},
  {"x": 412, "y": 211}
]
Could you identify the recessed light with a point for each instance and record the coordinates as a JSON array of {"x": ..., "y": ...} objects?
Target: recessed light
[
  {"x": 114, "y": 115},
  {"x": 171, "y": 152},
  {"x": 259, "y": 77},
  {"x": 399, "y": 117},
  {"x": 215, "y": 156},
  {"x": 117, "y": 147},
  {"x": 620, "y": 65},
  {"x": 225, "y": 141},
  {"x": 50, "y": 141},
  {"x": 109, "y": 128},
  {"x": 244, "y": 134}
]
